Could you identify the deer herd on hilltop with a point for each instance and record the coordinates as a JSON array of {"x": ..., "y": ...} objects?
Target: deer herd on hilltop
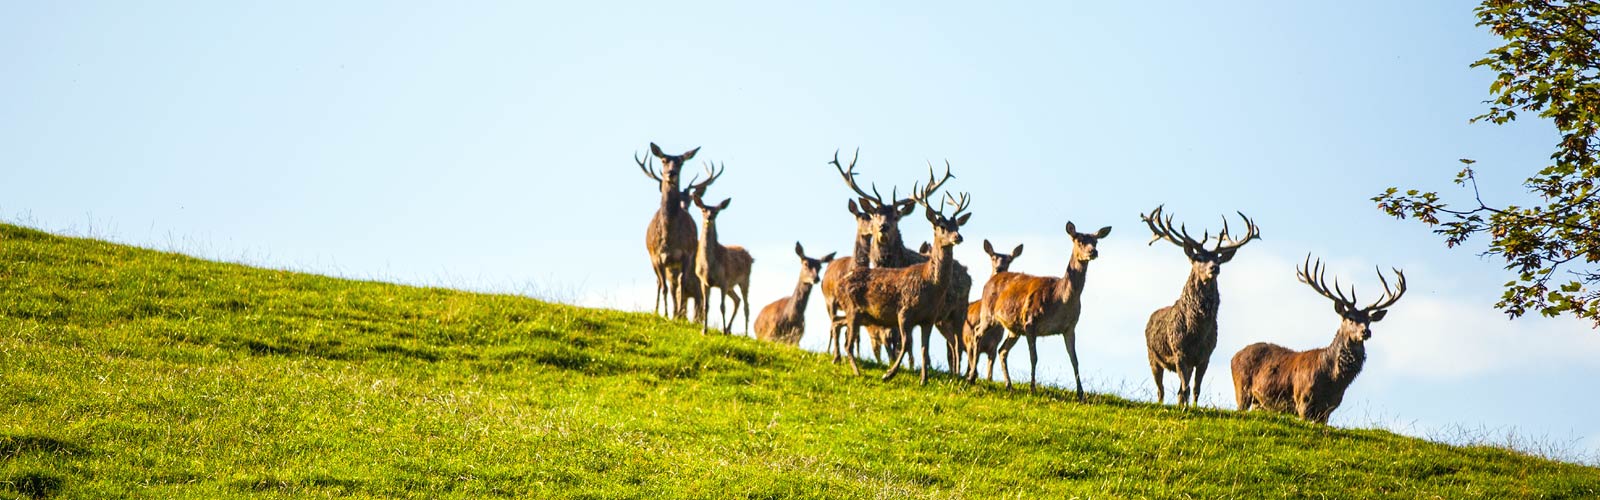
[{"x": 888, "y": 290}]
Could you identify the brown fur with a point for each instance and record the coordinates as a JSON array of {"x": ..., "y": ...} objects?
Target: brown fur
[
  {"x": 988, "y": 342},
  {"x": 1181, "y": 337},
  {"x": 1311, "y": 384},
  {"x": 784, "y": 320},
  {"x": 905, "y": 298},
  {"x": 670, "y": 239},
  {"x": 833, "y": 280},
  {"x": 1034, "y": 306},
  {"x": 726, "y": 268}
]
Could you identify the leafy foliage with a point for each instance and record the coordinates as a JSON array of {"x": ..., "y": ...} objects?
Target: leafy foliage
[{"x": 1548, "y": 66}]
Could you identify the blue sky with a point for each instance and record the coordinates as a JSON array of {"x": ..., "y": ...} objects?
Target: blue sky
[{"x": 489, "y": 147}]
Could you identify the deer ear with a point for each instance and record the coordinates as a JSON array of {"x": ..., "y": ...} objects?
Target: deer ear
[
  {"x": 724, "y": 204},
  {"x": 798, "y": 250},
  {"x": 1072, "y": 229},
  {"x": 828, "y": 258},
  {"x": 690, "y": 154},
  {"x": 656, "y": 150},
  {"x": 1103, "y": 232},
  {"x": 1379, "y": 314},
  {"x": 987, "y": 248},
  {"x": 1018, "y": 252},
  {"x": 925, "y": 248},
  {"x": 1226, "y": 255},
  {"x": 1338, "y": 307},
  {"x": 909, "y": 206},
  {"x": 932, "y": 216},
  {"x": 962, "y": 220}
]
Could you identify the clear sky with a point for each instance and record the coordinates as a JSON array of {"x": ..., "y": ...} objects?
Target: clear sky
[{"x": 488, "y": 146}]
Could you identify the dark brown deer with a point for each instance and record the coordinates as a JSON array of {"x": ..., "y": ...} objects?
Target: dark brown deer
[
  {"x": 873, "y": 217},
  {"x": 670, "y": 239},
  {"x": 784, "y": 320},
  {"x": 908, "y": 297},
  {"x": 1180, "y": 337},
  {"x": 724, "y": 267},
  {"x": 987, "y": 341},
  {"x": 1036, "y": 306},
  {"x": 1312, "y": 383}
]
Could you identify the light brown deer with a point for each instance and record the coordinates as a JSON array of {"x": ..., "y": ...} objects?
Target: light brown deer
[
  {"x": 987, "y": 341},
  {"x": 1311, "y": 384},
  {"x": 1180, "y": 337},
  {"x": 724, "y": 267},
  {"x": 670, "y": 239},
  {"x": 908, "y": 297},
  {"x": 1035, "y": 306},
  {"x": 784, "y": 320}
]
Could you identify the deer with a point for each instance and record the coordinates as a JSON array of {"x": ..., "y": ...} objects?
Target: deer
[
  {"x": 905, "y": 298},
  {"x": 1181, "y": 337},
  {"x": 873, "y": 217},
  {"x": 670, "y": 238},
  {"x": 888, "y": 250},
  {"x": 987, "y": 341},
  {"x": 1311, "y": 384},
  {"x": 724, "y": 267},
  {"x": 784, "y": 320},
  {"x": 1035, "y": 306}
]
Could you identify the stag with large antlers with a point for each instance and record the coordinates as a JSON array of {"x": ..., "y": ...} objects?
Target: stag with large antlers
[
  {"x": 988, "y": 340},
  {"x": 671, "y": 239},
  {"x": 1180, "y": 337},
  {"x": 1312, "y": 383},
  {"x": 909, "y": 297},
  {"x": 1036, "y": 306},
  {"x": 784, "y": 320},
  {"x": 726, "y": 268},
  {"x": 874, "y": 217}
]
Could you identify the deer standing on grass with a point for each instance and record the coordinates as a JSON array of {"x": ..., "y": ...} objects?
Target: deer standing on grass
[
  {"x": 1035, "y": 306},
  {"x": 670, "y": 239},
  {"x": 833, "y": 280},
  {"x": 1181, "y": 337},
  {"x": 874, "y": 217},
  {"x": 908, "y": 297},
  {"x": 719, "y": 266},
  {"x": 785, "y": 319},
  {"x": 1312, "y": 383},
  {"x": 987, "y": 341}
]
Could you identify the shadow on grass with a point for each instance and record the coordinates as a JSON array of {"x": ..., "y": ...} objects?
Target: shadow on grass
[
  {"x": 15, "y": 446},
  {"x": 35, "y": 484}
]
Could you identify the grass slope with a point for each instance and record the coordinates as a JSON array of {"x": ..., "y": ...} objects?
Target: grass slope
[{"x": 129, "y": 372}]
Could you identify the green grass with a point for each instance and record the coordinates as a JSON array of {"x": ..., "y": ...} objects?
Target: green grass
[{"x": 129, "y": 372}]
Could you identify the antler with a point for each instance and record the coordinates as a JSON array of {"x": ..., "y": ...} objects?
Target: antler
[
  {"x": 921, "y": 195},
  {"x": 1389, "y": 296},
  {"x": 1162, "y": 229},
  {"x": 849, "y": 175},
  {"x": 1224, "y": 243},
  {"x": 1313, "y": 276},
  {"x": 700, "y": 187},
  {"x": 646, "y": 169}
]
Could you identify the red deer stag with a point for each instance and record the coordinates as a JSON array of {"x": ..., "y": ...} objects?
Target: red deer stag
[
  {"x": 719, "y": 266},
  {"x": 908, "y": 297},
  {"x": 873, "y": 216},
  {"x": 670, "y": 239},
  {"x": 1312, "y": 383},
  {"x": 784, "y": 320},
  {"x": 1180, "y": 337},
  {"x": 988, "y": 341},
  {"x": 1036, "y": 306}
]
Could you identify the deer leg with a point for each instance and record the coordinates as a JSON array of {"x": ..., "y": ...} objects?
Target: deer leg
[
  {"x": 1071, "y": 338},
  {"x": 1005, "y": 354},
  {"x": 991, "y": 366},
  {"x": 705, "y": 305},
  {"x": 1199, "y": 374},
  {"x": 1155, "y": 371},
  {"x": 674, "y": 298},
  {"x": 927, "y": 333},
  {"x": 744, "y": 297},
  {"x": 900, "y": 351},
  {"x": 661, "y": 284},
  {"x": 1185, "y": 371},
  {"x": 852, "y": 324},
  {"x": 1033, "y": 363}
]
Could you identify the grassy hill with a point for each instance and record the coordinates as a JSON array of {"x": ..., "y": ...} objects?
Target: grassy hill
[{"x": 129, "y": 372}]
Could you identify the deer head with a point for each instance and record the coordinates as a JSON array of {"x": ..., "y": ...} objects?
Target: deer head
[
  {"x": 1083, "y": 244},
  {"x": 946, "y": 229},
  {"x": 1355, "y": 323},
  {"x": 698, "y": 190},
  {"x": 884, "y": 216},
  {"x": 1001, "y": 262},
  {"x": 671, "y": 166},
  {"x": 810, "y": 269},
  {"x": 1205, "y": 262}
]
